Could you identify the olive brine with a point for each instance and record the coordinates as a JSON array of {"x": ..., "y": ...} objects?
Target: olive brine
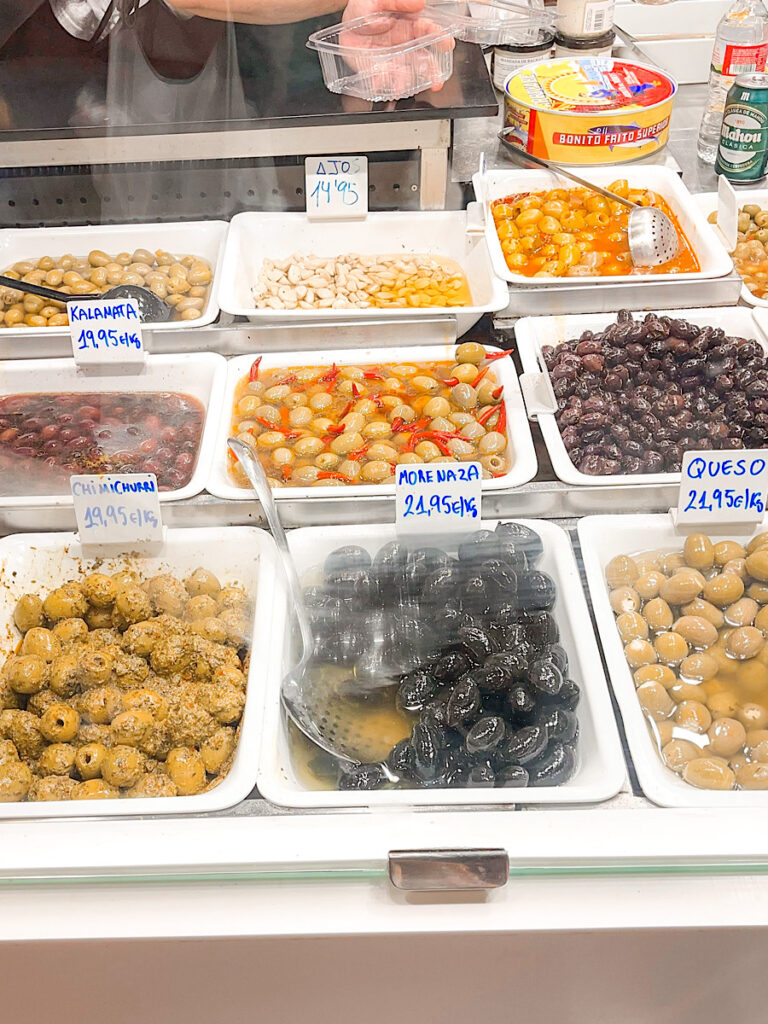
[{"x": 455, "y": 658}]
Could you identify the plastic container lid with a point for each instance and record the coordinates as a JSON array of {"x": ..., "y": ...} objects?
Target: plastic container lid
[
  {"x": 494, "y": 22},
  {"x": 387, "y": 56},
  {"x": 578, "y": 43}
]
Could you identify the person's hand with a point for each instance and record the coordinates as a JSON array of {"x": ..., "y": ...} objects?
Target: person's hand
[{"x": 399, "y": 73}]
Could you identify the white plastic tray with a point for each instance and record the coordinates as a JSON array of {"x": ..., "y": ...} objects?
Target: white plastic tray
[
  {"x": 519, "y": 437},
  {"x": 713, "y": 259},
  {"x": 601, "y": 538},
  {"x": 254, "y": 237},
  {"x": 201, "y": 375},
  {"x": 199, "y": 238},
  {"x": 601, "y": 770},
  {"x": 534, "y": 332},
  {"x": 707, "y": 202},
  {"x": 38, "y": 562}
]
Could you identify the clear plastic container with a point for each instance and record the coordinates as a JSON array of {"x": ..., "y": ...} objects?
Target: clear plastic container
[
  {"x": 498, "y": 22},
  {"x": 387, "y": 56}
]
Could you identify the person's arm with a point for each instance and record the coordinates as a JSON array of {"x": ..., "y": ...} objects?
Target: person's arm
[{"x": 282, "y": 12}]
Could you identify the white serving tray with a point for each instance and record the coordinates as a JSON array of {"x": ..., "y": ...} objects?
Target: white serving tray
[
  {"x": 254, "y": 237},
  {"x": 601, "y": 538},
  {"x": 38, "y": 562},
  {"x": 200, "y": 238},
  {"x": 707, "y": 202},
  {"x": 714, "y": 260},
  {"x": 534, "y": 332},
  {"x": 201, "y": 375},
  {"x": 601, "y": 770},
  {"x": 518, "y": 430}
]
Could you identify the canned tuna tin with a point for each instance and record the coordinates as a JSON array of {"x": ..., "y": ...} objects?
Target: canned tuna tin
[{"x": 742, "y": 155}]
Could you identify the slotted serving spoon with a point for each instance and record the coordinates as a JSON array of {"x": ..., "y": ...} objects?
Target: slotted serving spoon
[
  {"x": 316, "y": 701},
  {"x": 651, "y": 234},
  {"x": 151, "y": 307}
]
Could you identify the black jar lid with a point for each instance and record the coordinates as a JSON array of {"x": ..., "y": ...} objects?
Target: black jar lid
[
  {"x": 582, "y": 43},
  {"x": 546, "y": 39}
]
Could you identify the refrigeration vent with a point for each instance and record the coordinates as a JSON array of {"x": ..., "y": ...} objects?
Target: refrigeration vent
[{"x": 34, "y": 197}]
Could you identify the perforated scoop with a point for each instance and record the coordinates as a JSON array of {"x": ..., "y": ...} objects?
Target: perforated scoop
[
  {"x": 651, "y": 235},
  {"x": 333, "y": 709},
  {"x": 152, "y": 309}
]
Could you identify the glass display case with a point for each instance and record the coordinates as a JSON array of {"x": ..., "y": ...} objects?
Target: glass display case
[{"x": 565, "y": 700}]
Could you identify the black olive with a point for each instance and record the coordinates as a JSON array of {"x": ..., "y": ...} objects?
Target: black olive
[
  {"x": 474, "y": 643},
  {"x": 561, "y": 724},
  {"x": 558, "y": 655},
  {"x": 491, "y": 678},
  {"x": 481, "y": 776},
  {"x": 451, "y": 666},
  {"x": 401, "y": 759},
  {"x": 444, "y": 619},
  {"x": 476, "y": 595},
  {"x": 569, "y": 696},
  {"x": 435, "y": 712},
  {"x": 478, "y": 547},
  {"x": 355, "y": 586},
  {"x": 536, "y": 591},
  {"x": 540, "y": 627},
  {"x": 464, "y": 702},
  {"x": 526, "y": 745},
  {"x": 518, "y": 660},
  {"x": 546, "y": 677},
  {"x": 514, "y": 776},
  {"x": 427, "y": 747},
  {"x": 350, "y": 557},
  {"x": 524, "y": 538},
  {"x": 440, "y": 587},
  {"x": 415, "y": 690},
  {"x": 362, "y": 776},
  {"x": 556, "y": 766},
  {"x": 485, "y": 735},
  {"x": 388, "y": 563},
  {"x": 501, "y": 580}
]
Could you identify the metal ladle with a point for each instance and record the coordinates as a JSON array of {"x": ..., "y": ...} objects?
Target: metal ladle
[
  {"x": 151, "y": 307},
  {"x": 652, "y": 237}
]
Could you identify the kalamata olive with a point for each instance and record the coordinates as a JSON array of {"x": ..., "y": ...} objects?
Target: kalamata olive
[
  {"x": 526, "y": 745},
  {"x": 362, "y": 777},
  {"x": 514, "y": 776},
  {"x": 556, "y": 766},
  {"x": 485, "y": 735},
  {"x": 474, "y": 643},
  {"x": 546, "y": 677},
  {"x": 464, "y": 702},
  {"x": 401, "y": 759},
  {"x": 415, "y": 689},
  {"x": 427, "y": 747}
]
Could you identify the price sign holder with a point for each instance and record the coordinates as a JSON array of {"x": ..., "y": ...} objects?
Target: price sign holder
[
  {"x": 117, "y": 510},
  {"x": 106, "y": 333},
  {"x": 336, "y": 187},
  {"x": 438, "y": 498},
  {"x": 723, "y": 491}
]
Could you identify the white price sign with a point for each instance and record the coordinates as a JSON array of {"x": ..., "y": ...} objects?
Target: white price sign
[
  {"x": 117, "y": 508},
  {"x": 723, "y": 487},
  {"x": 106, "y": 332},
  {"x": 336, "y": 187},
  {"x": 440, "y": 498}
]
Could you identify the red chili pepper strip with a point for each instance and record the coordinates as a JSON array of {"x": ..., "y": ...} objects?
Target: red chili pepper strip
[
  {"x": 498, "y": 355},
  {"x": 377, "y": 402},
  {"x": 290, "y": 379},
  {"x": 291, "y": 435},
  {"x": 373, "y": 375},
  {"x": 253, "y": 373},
  {"x": 327, "y": 475},
  {"x": 336, "y": 430},
  {"x": 484, "y": 416},
  {"x": 358, "y": 453},
  {"x": 498, "y": 392},
  {"x": 415, "y": 425},
  {"x": 501, "y": 423},
  {"x": 480, "y": 376},
  {"x": 347, "y": 409},
  {"x": 331, "y": 374},
  {"x": 286, "y": 472},
  {"x": 397, "y": 424},
  {"x": 451, "y": 382},
  {"x": 267, "y": 423}
]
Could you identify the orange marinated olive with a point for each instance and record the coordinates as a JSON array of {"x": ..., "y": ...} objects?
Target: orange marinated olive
[
  {"x": 663, "y": 732},
  {"x": 681, "y": 588},
  {"x": 655, "y": 701},
  {"x": 709, "y": 773},
  {"x": 680, "y": 691},
  {"x": 632, "y": 626},
  {"x": 624, "y": 599},
  {"x": 756, "y": 745},
  {"x": 761, "y": 619},
  {"x": 726, "y": 737},
  {"x": 699, "y": 551},
  {"x": 693, "y": 715},
  {"x": 658, "y": 614},
  {"x": 742, "y": 613},
  {"x": 677, "y": 753},
  {"x": 671, "y": 648},
  {"x": 724, "y": 589},
  {"x": 654, "y": 674},
  {"x": 753, "y": 716},
  {"x": 621, "y": 571},
  {"x": 696, "y": 630},
  {"x": 752, "y": 775},
  {"x": 648, "y": 585},
  {"x": 759, "y": 592},
  {"x": 744, "y": 642},
  {"x": 670, "y": 562},
  {"x": 753, "y": 678},
  {"x": 727, "y": 550},
  {"x": 737, "y": 566},
  {"x": 757, "y": 542},
  {"x": 640, "y": 652},
  {"x": 723, "y": 705},
  {"x": 757, "y": 564},
  {"x": 706, "y": 610},
  {"x": 700, "y": 665}
]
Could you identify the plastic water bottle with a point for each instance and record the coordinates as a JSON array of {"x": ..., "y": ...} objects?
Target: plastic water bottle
[{"x": 741, "y": 45}]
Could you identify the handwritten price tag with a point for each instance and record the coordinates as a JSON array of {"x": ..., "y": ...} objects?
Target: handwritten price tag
[
  {"x": 336, "y": 187},
  {"x": 117, "y": 508},
  {"x": 723, "y": 487},
  {"x": 106, "y": 332},
  {"x": 440, "y": 498}
]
